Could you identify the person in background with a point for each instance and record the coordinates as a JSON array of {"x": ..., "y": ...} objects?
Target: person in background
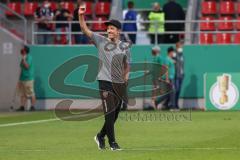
[
  {"x": 131, "y": 15},
  {"x": 157, "y": 62},
  {"x": 173, "y": 12},
  {"x": 62, "y": 14},
  {"x": 43, "y": 15},
  {"x": 179, "y": 67},
  {"x": 26, "y": 80},
  {"x": 157, "y": 25},
  {"x": 79, "y": 38},
  {"x": 169, "y": 99}
]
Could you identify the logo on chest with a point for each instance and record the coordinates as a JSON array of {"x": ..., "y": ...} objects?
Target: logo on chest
[{"x": 119, "y": 47}]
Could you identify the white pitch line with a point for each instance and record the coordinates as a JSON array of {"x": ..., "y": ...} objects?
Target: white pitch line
[
  {"x": 39, "y": 121},
  {"x": 140, "y": 149},
  {"x": 180, "y": 148},
  {"x": 28, "y": 122},
  {"x": 27, "y": 150}
]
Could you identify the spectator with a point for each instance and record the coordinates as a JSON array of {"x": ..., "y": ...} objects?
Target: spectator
[
  {"x": 62, "y": 14},
  {"x": 169, "y": 62},
  {"x": 169, "y": 99},
  {"x": 173, "y": 12},
  {"x": 43, "y": 15},
  {"x": 157, "y": 24},
  {"x": 79, "y": 38},
  {"x": 26, "y": 80},
  {"x": 131, "y": 15},
  {"x": 179, "y": 67},
  {"x": 157, "y": 62}
]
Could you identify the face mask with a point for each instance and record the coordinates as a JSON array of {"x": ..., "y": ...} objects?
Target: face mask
[
  {"x": 174, "y": 54},
  {"x": 180, "y": 50}
]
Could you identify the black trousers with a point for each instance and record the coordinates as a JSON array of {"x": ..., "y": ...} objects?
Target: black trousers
[
  {"x": 171, "y": 38},
  {"x": 178, "y": 86},
  {"x": 132, "y": 37},
  {"x": 169, "y": 99},
  {"x": 112, "y": 95},
  {"x": 160, "y": 38}
]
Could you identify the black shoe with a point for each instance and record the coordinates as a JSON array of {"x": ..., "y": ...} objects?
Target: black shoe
[
  {"x": 115, "y": 147},
  {"x": 21, "y": 108},
  {"x": 32, "y": 108},
  {"x": 100, "y": 142},
  {"x": 123, "y": 109}
]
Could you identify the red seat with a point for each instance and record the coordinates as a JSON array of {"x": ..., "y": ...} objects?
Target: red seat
[
  {"x": 69, "y": 6},
  {"x": 209, "y": 7},
  {"x": 238, "y": 8},
  {"x": 206, "y": 38},
  {"x": 102, "y": 8},
  {"x": 208, "y": 25},
  {"x": 88, "y": 8},
  {"x": 15, "y": 6},
  {"x": 53, "y": 6},
  {"x": 29, "y": 8},
  {"x": 238, "y": 23},
  {"x": 224, "y": 38},
  {"x": 99, "y": 26},
  {"x": 227, "y": 7},
  {"x": 237, "y": 38},
  {"x": 225, "y": 24}
]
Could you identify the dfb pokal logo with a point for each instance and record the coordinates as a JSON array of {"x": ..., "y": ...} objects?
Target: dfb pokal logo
[{"x": 224, "y": 93}]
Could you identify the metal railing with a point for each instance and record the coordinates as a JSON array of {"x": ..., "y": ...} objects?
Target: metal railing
[
  {"x": 144, "y": 30},
  {"x": 16, "y": 25}
]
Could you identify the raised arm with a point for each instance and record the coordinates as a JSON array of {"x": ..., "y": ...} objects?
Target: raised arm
[
  {"x": 83, "y": 25},
  {"x": 25, "y": 63}
]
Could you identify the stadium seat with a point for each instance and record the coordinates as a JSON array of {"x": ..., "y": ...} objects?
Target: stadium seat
[
  {"x": 102, "y": 8},
  {"x": 209, "y": 7},
  {"x": 227, "y": 7},
  {"x": 53, "y": 5},
  {"x": 69, "y": 6},
  {"x": 206, "y": 38},
  {"x": 223, "y": 38},
  {"x": 15, "y": 6},
  {"x": 225, "y": 24},
  {"x": 237, "y": 38},
  {"x": 208, "y": 25},
  {"x": 238, "y": 8},
  {"x": 99, "y": 26},
  {"x": 88, "y": 8},
  {"x": 29, "y": 8},
  {"x": 238, "y": 23}
]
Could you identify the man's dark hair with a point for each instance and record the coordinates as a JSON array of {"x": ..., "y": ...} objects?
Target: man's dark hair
[
  {"x": 26, "y": 48},
  {"x": 130, "y": 4},
  {"x": 170, "y": 49}
]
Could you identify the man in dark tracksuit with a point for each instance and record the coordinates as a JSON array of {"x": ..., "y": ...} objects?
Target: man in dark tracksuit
[
  {"x": 179, "y": 68},
  {"x": 114, "y": 59}
]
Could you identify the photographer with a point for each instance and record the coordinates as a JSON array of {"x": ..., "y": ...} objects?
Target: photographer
[{"x": 26, "y": 80}]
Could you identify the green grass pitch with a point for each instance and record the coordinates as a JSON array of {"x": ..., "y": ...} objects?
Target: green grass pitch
[{"x": 201, "y": 136}]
